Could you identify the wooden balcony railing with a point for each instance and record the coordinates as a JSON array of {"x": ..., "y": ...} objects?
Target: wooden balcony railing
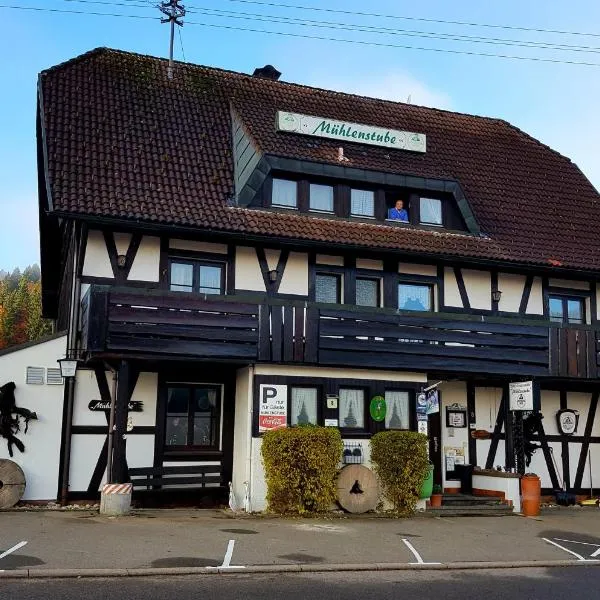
[{"x": 132, "y": 322}]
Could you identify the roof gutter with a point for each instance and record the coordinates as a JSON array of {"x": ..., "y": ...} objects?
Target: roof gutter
[{"x": 158, "y": 228}]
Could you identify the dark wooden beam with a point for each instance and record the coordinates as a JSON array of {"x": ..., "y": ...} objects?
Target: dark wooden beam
[
  {"x": 462, "y": 290},
  {"x": 589, "y": 426},
  {"x": 526, "y": 294},
  {"x": 471, "y": 420},
  {"x": 565, "y": 446},
  {"x": 500, "y": 418}
]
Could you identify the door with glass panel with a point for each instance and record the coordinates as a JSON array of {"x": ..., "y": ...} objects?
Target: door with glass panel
[{"x": 193, "y": 417}]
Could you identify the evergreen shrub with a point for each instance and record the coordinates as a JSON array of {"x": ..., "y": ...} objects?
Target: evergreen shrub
[
  {"x": 301, "y": 465},
  {"x": 400, "y": 460}
]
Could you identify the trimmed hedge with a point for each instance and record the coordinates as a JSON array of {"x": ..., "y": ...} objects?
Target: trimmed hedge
[
  {"x": 301, "y": 465},
  {"x": 400, "y": 460}
]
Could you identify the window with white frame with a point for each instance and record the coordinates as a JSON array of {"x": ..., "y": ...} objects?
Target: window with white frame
[
  {"x": 362, "y": 203},
  {"x": 321, "y": 197},
  {"x": 417, "y": 297},
  {"x": 368, "y": 291},
  {"x": 430, "y": 211},
  {"x": 397, "y": 414},
  {"x": 285, "y": 193},
  {"x": 304, "y": 402},
  {"x": 352, "y": 408},
  {"x": 328, "y": 288}
]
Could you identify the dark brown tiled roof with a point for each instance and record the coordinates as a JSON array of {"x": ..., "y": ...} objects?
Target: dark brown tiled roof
[{"x": 125, "y": 142}]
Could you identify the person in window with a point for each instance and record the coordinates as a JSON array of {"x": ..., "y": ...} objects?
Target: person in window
[{"x": 398, "y": 213}]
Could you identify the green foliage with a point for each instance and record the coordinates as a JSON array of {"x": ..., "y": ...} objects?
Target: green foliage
[
  {"x": 400, "y": 460},
  {"x": 437, "y": 488},
  {"x": 301, "y": 467}
]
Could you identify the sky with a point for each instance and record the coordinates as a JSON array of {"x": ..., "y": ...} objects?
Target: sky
[{"x": 552, "y": 101}]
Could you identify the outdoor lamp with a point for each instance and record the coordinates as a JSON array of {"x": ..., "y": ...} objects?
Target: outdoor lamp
[
  {"x": 273, "y": 276},
  {"x": 496, "y": 295},
  {"x": 68, "y": 366}
]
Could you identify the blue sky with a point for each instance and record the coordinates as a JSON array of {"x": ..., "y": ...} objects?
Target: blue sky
[{"x": 557, "y": 103}]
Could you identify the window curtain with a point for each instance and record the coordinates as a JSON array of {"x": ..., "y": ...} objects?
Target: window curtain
[
  {"x": 284, "y": 193},
  {"x": 177, "y": 417},
  {"x": 210, "y": 280},
  {"x": 352, "y": 409},
  {"x": 326, "y": 288},
  {"x": 182, "y": 277},
  {"x": 304, "y": 406},
  {"x": 366, "y": 292},
  {"x": 362, "y": 203},
  {"x": 431, "y": 211},
  {"x": 321, "y": 197},
  {"x": 397, "y": 413},
  {"x": 414, "y": 297}
]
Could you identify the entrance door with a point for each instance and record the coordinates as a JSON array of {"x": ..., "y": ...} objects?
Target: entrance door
[{"x": 434, "y": 430}]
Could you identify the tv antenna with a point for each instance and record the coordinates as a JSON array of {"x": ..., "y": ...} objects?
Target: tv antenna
[{"x": 174, "y": 12}]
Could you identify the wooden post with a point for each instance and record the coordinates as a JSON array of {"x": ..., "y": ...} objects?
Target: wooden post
[
  {"x": 509, "y": 449},
  {"x": 119, "y": 461}
]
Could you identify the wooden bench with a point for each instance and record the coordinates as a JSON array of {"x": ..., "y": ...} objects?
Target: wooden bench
[{"x": 194, "y": 475}]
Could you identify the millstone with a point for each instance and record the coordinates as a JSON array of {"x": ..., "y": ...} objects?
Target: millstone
[
  {"x": 12, "y": 483},
  {"x": 358, "y": 489}
]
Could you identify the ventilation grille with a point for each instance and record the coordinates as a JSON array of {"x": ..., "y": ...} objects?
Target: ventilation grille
[
  {"x": 35, "y": 375},
  {"x": 53, "y": 376}
]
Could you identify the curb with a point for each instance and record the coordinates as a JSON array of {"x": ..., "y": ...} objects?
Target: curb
[{"x": 309, "y": 568}]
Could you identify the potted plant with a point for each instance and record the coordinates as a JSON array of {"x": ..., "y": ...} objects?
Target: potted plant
[{"x": 436, "y": 496}]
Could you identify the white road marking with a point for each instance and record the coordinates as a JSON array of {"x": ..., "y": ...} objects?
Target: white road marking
[
  {"x": 13, "y": 549},
  {"x": 227, "y": 559},
  {"x": 576, "y": 542},
  {"x": 594, "y": 554},
  {"x": 420, "y": 561},
  {"x": 579, "y": 557}
]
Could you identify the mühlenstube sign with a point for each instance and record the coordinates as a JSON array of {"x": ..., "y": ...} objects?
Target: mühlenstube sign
[{"x": 350, "y": 132}]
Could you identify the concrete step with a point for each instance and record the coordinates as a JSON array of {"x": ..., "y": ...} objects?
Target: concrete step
[
  {"x": 480, "y": 510},
  {"x": 468, "y": 500}
]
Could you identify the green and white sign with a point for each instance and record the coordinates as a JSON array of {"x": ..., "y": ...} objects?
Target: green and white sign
[
  {"x": 378, "y": 408},
  {"x": 350, "y": 132}
]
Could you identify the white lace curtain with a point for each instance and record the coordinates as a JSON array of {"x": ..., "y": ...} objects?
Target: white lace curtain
[
  {"x": 431, "y": 211},
  {"x": 182, "y": 277},
  {"x": 304, "y": 406},
  {"x": 414, "y": 297},
  {"x": 284, "y": 192},
  {"x": 362, "y": 202},
  {"x": 397, "y": 413},
  {"x": 352, "y": 409},
  {"x": 210, "y": 279}
]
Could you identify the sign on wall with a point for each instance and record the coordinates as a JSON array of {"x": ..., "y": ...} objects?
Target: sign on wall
[
  {"x": 350, "y": 132},
  {"x": 567, "y": 420},
  {"x": 272, "y": 409},
  {"x": 521, "y": 395},
  {"x": 101, "y": 406},
  {"x": 456, "y": 416}
]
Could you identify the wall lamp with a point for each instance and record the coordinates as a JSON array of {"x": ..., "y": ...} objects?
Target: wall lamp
[
  {"x": 496, "y": 294},
  {"x": 273, "y": 275},
  {"x": 68, "y": 366}
]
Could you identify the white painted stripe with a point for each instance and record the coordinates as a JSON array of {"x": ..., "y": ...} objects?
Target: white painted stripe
[
  {"x": 576, "y": 542},
  {"x": 563, "y": 548},
  {"x": 13, "y": 549},
  {"x": 420, "y": 561},
  {"x": 228, "y": 554},
  {"x": 594, "y": 554}
]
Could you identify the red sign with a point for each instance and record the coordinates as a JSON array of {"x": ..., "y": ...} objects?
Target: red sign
[
  {"x": 266, "y": 422},
  {"x": 272, "y": 413}
]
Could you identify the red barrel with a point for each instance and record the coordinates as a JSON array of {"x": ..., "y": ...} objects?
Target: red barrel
[{"x": 531, "y": 491}]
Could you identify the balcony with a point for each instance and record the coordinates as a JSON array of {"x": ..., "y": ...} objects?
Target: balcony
[{"x": 163, "y": 325}]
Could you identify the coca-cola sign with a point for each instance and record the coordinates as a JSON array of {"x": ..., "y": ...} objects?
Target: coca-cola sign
[
  {"x": 102, "y": 406},
  {"x": 272, "y": 413}
]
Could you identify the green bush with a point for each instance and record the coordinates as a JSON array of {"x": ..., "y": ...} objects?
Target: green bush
[
  {"x": 400, "y": 460},
  {"x": 301, "y": 466}
]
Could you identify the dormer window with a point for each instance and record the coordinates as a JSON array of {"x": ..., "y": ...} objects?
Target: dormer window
[
  {"x": 362, "y": 203},
  {"x": 430, "y": 210},
  {"x": 321, "y": 197},
  {"x": 285, "y": 193}
]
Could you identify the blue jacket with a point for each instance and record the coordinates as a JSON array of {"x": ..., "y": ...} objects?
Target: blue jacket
[{"x": 398, "y": 215}]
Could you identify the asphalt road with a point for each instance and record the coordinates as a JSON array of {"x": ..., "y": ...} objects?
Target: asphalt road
[{"x": 532, "y": 584}]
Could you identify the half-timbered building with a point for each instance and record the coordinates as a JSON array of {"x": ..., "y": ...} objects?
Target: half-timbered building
[{"x": 223, "y": 253}]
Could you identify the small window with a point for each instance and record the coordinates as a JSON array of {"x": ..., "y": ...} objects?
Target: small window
[
  {"x": 368, "y": 292},
  {"x": 193, "y": 417},
  {"x": 197, "y": 276},
  {"x": 328, "y": 288},
  {"x": 285, "y": 193},
  {"x": 321, "y": 197},
  {"x": 35, "y": 375},
  {"x": 398, "y": 211},
  {"x": 430, "y": 211},
  {"x": 397, "y": 410},
  {"x": 352, "y": 408},
  {"x": 564, "y": 309},
  {"x": 416, "y": 297},
  {"x": 362, "y": 203},
  {"x": 53, "y": 376},
  {"x": 304, "y": 406}
]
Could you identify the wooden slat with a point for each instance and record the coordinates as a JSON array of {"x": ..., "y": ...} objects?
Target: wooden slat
[
  {"x": 582, "y": 353},
  {"x": 538, "y": 357},
  {"x": 181, "y": 331},
  {"x": 181, "y": 347},
  {"x": 126, "y": 314},
  {"x": 299, "y": 333},
  {"x": 264, "y": 334},
  {"x": 182, "y": 470},
  {"x": 276, "y": 333},
  {"x": 311, "y": 348},
  {"x": 554, "y": 343},
  {"x": 362, "y": 328},
  {"x": 288, "y": 333},
  {"x": 563, "y": 366},
  {"x": 162, "y": 481},
  {"x": 592, "y": 371},
  {"x": 572, "y": 352}
]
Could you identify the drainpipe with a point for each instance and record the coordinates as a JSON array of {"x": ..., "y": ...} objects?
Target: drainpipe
[
  {"x": 248, "y": 483},
  {"x": 70, "y": 383}
]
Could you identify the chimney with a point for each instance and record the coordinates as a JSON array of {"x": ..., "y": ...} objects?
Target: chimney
[{"x": 267, "y": 72}]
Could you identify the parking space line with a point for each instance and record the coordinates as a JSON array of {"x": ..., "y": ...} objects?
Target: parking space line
[
  {"x": 576, "y": 542},
  {"x": 420, "y": 561},
  {"x": 13, "y": 549},
  {"x": 579, "y": 557},
  {"x": 227, "y": 558}
]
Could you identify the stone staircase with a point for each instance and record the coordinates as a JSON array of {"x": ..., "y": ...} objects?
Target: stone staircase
[{"x": 464, "y": 505}]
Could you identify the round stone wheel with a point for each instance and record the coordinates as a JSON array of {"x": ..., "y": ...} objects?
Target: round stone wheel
[
  {"x": 358, "y": 489},
  {"x": 12, "y": 483}
]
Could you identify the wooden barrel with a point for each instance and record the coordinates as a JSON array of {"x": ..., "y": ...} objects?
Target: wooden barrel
[{"x": 531, "y": 491}]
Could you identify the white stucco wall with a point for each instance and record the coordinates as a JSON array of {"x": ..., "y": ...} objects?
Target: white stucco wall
[
  {"x": 198, "y": 246},
  {"x": 479, "y": 288},
  {"x": 326, "y": 259},
  {"x": 412, "y": 269},
  {"x": 368, "y": 263},
  {"x": 96, "y": 262},
  {"x": 122, "y": 241},
  {"x": 535, "y": 306},
  {"x": 146, "y": 265},
  {"x": 340, "y": 373},
  {"x": 40, "y": 461},
  {"x": 511, "y": 285},
  {"x": 453, "y": 392},
  {"x": 242, "y": 434},
  {"x": 247, "y": 270},
  {"x": 571, "y": 284},
  {"x": 295, "y": 275}
]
